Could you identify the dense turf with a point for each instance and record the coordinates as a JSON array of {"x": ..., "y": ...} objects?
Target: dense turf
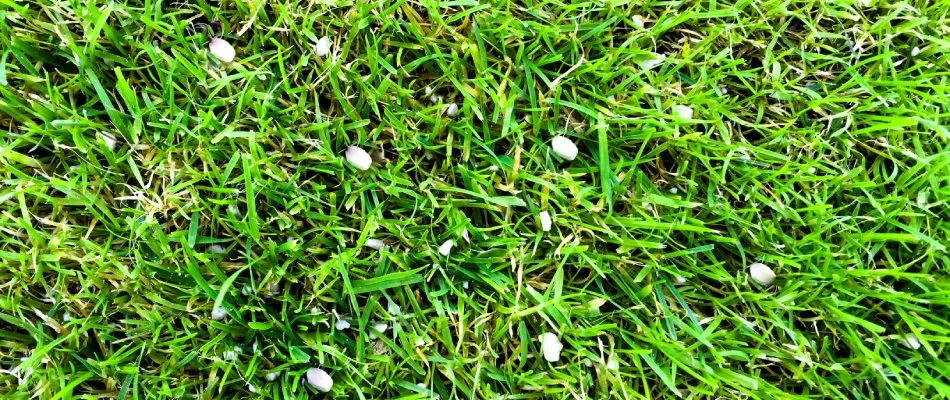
[{"x": 172, "y": 226}]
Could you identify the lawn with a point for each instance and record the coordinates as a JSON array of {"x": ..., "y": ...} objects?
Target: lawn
[{"x": 474, "y": 199}]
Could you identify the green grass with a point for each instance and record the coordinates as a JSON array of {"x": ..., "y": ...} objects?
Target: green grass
[{"x": 818, "y": 146}]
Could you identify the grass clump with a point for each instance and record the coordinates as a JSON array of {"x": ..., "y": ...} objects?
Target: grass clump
[{"x": 180, "y": 224}]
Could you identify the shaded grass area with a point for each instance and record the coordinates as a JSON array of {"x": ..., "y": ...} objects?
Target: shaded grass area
[{"x": 145, "y": 185}]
